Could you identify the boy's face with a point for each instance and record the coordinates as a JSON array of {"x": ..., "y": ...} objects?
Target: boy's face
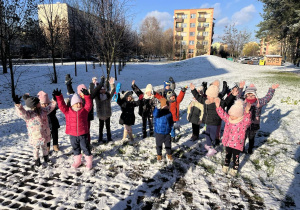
[
  {"x": 129, "y": 98},
  {"x": 167, "y": 87},
  {"x": 44, "y": 105},
  {"x": 77, "y": 106},
  {"x": 172, "y": 98}
]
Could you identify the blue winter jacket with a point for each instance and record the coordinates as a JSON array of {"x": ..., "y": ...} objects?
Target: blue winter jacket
[{"x": 163, "y": 121}]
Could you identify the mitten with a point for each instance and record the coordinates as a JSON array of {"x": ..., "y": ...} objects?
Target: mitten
[
  {"x": 56, "y": 92},
  {"x": 17, "y": 99},
  {"x": 85, "y": 92},
  {"x": 171, "y": 80},
  {"x": 54, "y": 97},
  {"x": 183, "y": 89}
]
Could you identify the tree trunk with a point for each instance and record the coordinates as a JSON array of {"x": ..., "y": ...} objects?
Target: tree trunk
[
  {"x": 54, "y": 80},
  {"x": 75, "y": 67}
]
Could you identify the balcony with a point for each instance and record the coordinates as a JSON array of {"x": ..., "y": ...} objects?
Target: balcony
[
  {"x": 178, "y": 38},
  {"x": 177, "y": 46},
  {"x": 179, "y": 29},
  {"x": 199, "y": 28},
  {"x": 179, "y": 20},
  {"x": 200, "y": 46},
  {"x": 200, "y": 37},
  {"x": 201, "y": 19}
]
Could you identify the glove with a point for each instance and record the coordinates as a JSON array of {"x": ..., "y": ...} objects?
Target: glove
[
  {"x": 17, "y": 99},
  {"x": 56, "y": 92},
  {"x": 54, "y": 97},
  {"x": 171, "y": 80},
  {"x": 85, "y": 92},
  {"x": 183, "y": 89},
  {"x": 204, "y": 84}
]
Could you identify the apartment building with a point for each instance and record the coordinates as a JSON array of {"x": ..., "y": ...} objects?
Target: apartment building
[
  {"x": 193, "y": 32},
  {"x": 269, "y": 46}
]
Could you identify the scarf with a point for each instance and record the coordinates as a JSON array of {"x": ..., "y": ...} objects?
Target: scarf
[
  {"x": 251, "y": 101},
  {"x": 148, "y": 97}
]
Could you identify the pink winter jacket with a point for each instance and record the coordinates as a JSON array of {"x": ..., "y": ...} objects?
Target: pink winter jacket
[
  {"x": 76, "y": 122},
  {"x": 37, "y": 125},
  {"x": 234, "y": 134}
]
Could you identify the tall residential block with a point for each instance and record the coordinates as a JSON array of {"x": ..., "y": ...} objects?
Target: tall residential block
[{"x": 193, "y": 32}]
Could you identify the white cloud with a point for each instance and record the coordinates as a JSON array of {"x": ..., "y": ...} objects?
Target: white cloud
[
  {"x": 223, "y": 22},
  {"x": 245, "y": 15},
  {"x": 217, "y": 9},
  {"x": 165, "y": 19}
]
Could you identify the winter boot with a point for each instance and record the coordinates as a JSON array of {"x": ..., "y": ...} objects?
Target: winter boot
[
  {"x": 46, "y": 159},
  {"x": 151, "y": 133},
  {"x": 131, "y": 136},
  {"x": 159, "y": 158},
  {"x": 55, "y": 148},
  {"x": 194, "y": 137},
  {"x": 169, "y": 158},
  {"x": 89, "y": 162},
  {"x": 77, "y": 161},
  {"x": 233, "y": 172},
  {"x": 211, "y": 152},
  {"x": 48, "y": 149},
  {"x": 37, "y": 162},
  {"x": 217, "y": 142},
  {"x": 144, "y": 135},
  {"x": 109, "y": 136},
  {"x": 206, "y": 147},
  {"x": 100, "y": 138},
  {"x": 225, "y": 169},
  {"x": 124, "y": 134}
]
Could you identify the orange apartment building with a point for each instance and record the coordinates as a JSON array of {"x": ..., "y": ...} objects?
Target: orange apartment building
[
  {"x": 269, "y": 47},
  {"x": 193, "y": 32}
]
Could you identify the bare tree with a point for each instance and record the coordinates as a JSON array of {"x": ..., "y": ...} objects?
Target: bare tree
[
  {"x": 14, "y": 15},
  {"x": 168, "y": 42}
]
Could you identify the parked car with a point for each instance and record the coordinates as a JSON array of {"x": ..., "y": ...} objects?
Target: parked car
[{"x": 244, "y": 60}]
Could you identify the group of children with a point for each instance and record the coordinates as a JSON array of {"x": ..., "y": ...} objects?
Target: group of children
[{"x": 239, "y": 108}]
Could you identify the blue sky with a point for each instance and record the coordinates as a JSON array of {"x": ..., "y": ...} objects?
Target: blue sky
[{"x": 245, "y": 13}]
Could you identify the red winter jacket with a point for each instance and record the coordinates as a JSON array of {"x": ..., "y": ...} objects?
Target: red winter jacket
[
  {"x": 174, "y": 106},
  {"x": 76, "y": 122}
]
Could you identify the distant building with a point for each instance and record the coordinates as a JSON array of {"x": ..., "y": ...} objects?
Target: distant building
[
  {"x": 269, "y": 46},
  {"x": 193, "y": 32}
]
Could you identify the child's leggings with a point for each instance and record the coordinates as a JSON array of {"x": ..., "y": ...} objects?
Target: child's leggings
[
  {"x": 236, "y": 157},
  {"x": 37, "y": 151}
]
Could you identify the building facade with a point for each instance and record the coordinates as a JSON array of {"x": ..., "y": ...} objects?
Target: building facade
[
  {"x": 193, "y": 32},
  {"x": 269, "y": 47}
]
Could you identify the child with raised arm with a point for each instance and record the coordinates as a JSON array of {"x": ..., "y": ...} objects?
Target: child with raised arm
[{"x": 236, "y": 123}]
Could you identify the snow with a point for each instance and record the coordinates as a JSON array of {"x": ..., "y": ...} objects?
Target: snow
[{"x": 126, "y": 174}]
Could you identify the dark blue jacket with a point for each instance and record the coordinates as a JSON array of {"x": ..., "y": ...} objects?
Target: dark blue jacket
[{"x": 163, "y": 121}]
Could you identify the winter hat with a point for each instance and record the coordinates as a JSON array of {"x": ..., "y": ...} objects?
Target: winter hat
[
  {"x": 75, "y": 99},
  {"x": 166, "y": 83},
  {"x": 212, "y": 91},
  {"x": 148, "y": 88},
  {"x": 79, "y": 88},
  {"x": 170, "y": 94},
  {"x": 163, "y": 102},
  {"x": 94, "y": 78},
  {"x": 30, "y": 101},
  {"x": 251, "y": 89},
  {"x": 127, "y": 94},
  {"x": 216, "y": 83},
  {"x": 44, "y": 99},
  {"x": 237, "y": 109}
]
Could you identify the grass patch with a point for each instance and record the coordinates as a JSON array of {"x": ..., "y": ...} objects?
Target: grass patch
[
  {"x": 287, "y": 78},
  {"x": 256, "y": 164},
  {"x": 270, "y": 164},
  {"x": 264, "y": 151},
  {"x": 273, "y": 141},
  {"x": 208, "y": 168},
  {"x": 121, "y": 151},
  {"x": 290, "y": 101}
]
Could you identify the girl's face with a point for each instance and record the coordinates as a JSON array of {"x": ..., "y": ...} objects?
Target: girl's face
[
  {"x": 44, "y": 105},
  {"x": 129, "y": 98},
  {"x": 77, "y": 106},
  {"x": 38, "y": 105},
  {"x": 172, "y": 98},
  {"x": 233, "y": 117},
  {"x": 148, "y": 93}
]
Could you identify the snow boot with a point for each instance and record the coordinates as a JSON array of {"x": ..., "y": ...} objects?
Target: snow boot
[
  {"x": 194, "y": 138},
  {"x": 207, "y": 147},
  {"x": 55, "y": 148},
  {"x": 109, "y": 137},
  {"x": 233, "y": 172},
  {"x": 89, "y": 162},
  {"x": 211, "y": 152},
  {"x": 46, "y": 159},
  {"x": 144, "y": 135},
  {"x": 124, "y": 134},
  {"x": 37, "y": 162},
  {"x": 151, "y": 133},
  {"x": 169, "y": 158},
  {"x": 77, "y": 161},
  {"x": 100, "y": 139},
  {"x": 225, "y": 169},
  {"x": 159, "y": 157}
]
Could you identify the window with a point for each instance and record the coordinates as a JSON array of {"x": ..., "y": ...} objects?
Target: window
[
  {"x": 192, "y": 25},
  {"x": 199, "y": 24},
  {"x": 191, "y": 51},
  {"x": 178, "y": 33},
  {"x": 177, "y": 25},
  {"x": 191, "y": 43},
  {"x": 184, "y": 16},
  {"x": 178, "y": 16},
  {"x": 193, "y": 16},
  {"x": 192, "y": 33},
  {"x": 206, "y": 25},
  {"x": 184, "y": 25},
  {"x": 183, "y": 42},
  {"x": 183, "y": 33},
  {"x": 207, "y": 15},
  {"x": 205, "y": 42},
  {"x": 205, "y": 33}
]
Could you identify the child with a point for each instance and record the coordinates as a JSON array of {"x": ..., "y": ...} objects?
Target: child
[
  {"x": 52, "y": 120},
  {"x": 127, "y": 117},
  {"x": 77, "y": 125},
  {"x": 146, "y": 107},
  {"x": 93, "y": 84},
  {"x": 256, "y": 106},
  {"x": 194, "y": 115},
  {"x": 169, "y": 86},
  {"x": 103, "y": 106},
  {"x": 37, "y": 124},
  {"x": 163, "y": 125},
  {"x": 210, "y": 116},
  {"x": 236, "y": 124}
]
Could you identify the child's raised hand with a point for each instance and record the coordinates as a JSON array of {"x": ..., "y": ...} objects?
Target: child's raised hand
[
  {"x": 217, "y": 102},
  {"x": 192, "y": 86},
  {"x": 274, "y": 86},
  {"x": 85, "y": 91},
  {"x": 242, "y": 84},
  {"x": 133, "y": 81},
  {"x": 247, "y": 108},
  {"x": 56, "y": 92},
  {"x": 111, "y": 80},
  {"x": 17, "y": 99}
]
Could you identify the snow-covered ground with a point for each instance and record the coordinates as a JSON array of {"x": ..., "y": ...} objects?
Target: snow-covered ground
[{"x": 126, "y": 175}]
